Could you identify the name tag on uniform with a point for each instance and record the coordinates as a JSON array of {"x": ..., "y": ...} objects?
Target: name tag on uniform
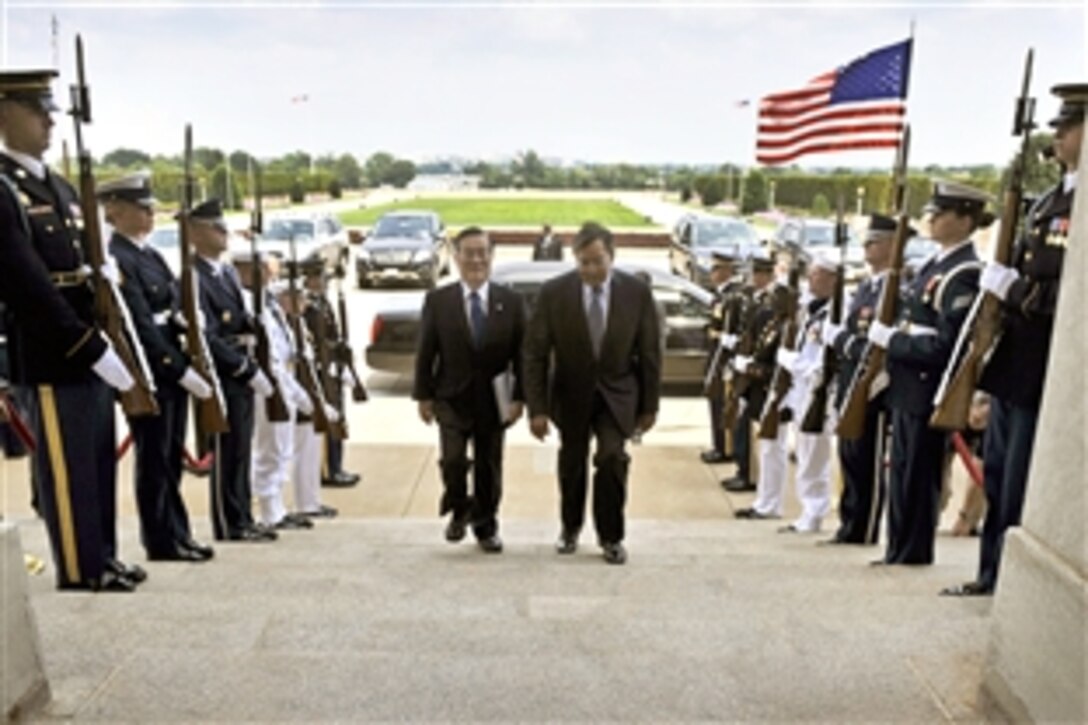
[{"x": 39, "y": 209}]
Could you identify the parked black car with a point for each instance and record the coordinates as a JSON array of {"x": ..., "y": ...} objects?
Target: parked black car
[
  {"x": 395, "y": 331},
  {"x": 804, "y": 238},
  {"x": 404, "y": 245},
  {"x": 696, "y": 237}
]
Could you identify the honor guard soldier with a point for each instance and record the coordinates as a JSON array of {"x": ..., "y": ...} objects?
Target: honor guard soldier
[
  {"x": 321, "y": 321},
  {"x": 721, "y": 338},
  {"x": 151, "y": 292},
  {"x": 1015, "y": 373},
  {"x": 935, "y": 307},
  {"x": 68, "y": 368},
  {"x": 862, "y": 460},
  {"x": 754, "y": 365},
  {"x": 230, "y": 332}
]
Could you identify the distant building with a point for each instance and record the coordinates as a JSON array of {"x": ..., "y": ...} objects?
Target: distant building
[{"x": 444, "y": 182}]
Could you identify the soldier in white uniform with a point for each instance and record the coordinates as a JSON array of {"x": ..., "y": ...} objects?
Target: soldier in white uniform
[{"x": 813, "y": 477}]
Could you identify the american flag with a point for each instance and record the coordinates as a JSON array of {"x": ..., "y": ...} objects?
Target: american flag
[{"x": 858, "y": 106}]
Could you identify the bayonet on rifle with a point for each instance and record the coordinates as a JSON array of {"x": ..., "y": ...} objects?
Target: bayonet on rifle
[{"x": 111, "y": 312}]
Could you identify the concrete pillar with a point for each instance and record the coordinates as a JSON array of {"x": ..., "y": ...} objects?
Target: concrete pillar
[
  {"x": 1036, "y": 664},
  {"x": 23, "y": 686}
]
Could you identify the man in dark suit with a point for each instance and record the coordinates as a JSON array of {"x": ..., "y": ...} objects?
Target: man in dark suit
[
  {"x": 936, "y": 306},
  {"x": 66, "y": 368},
  {"x": 548, "y": 246},
  {"x": 470, "y": 345},
  {"x": 599, "y": 325},
  {"x": 151, "y": 292},
  {"x": 230, "y": 330}
]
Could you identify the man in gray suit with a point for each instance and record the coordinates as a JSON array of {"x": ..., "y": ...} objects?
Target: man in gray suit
[{"x": 594, "y": 335}]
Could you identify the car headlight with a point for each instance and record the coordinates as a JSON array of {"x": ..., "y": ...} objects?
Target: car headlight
[{"x": 421, "y": 255}]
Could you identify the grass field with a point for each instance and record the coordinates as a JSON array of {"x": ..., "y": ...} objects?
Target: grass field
[{"x": 509, "y": 212}]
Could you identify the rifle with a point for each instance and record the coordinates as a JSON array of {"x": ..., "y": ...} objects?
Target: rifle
[
  {"x": 852, "y": 414},
  {"x": 736, "y": 384},
  {"x": 111, "y": 312},
  {"x": 782, "y": 379},
  {"x": 331, "y": 382},
  {"x": 816, "y": 415},
  {"x": 345, "y": 358},
  {"x": 304, "y": 365},
  {"x": 274, "y": 405},
  {"x": 982, "y": 329},
  {"x": 716, "y": 369},
  {"x": 10, "y": 414},
  {"x": 211, "y": 414}
]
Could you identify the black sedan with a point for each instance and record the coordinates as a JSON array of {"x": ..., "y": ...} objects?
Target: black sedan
[
  {"x": 696, "y": 237},
  {"x": 404, "y": 245},
  {"x": 395, "y": 331}
]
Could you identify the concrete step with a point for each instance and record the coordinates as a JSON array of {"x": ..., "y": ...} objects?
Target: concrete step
[{"x": 380, "y": 619}]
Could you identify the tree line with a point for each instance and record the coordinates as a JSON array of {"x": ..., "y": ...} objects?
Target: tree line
[{"x": 229, "y": 177}]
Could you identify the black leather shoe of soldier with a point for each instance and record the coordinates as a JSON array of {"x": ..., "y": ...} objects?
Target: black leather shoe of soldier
[
  {"x": 178, "y": 553},
  {"x": 491, "y": 544},
  {"x": 568, "y": 542},
  {"x": 131, "y": 572},
  {"x": 203, "y": 550},
  {"x": 969, "y": 589},
  {"x": 456, "y": 529},
  {"x": 340, "y": 480},
  {"x": 736, "y": 484},
  {"x": 713, "y": 457},
  {"x": 615, "y": 553}
]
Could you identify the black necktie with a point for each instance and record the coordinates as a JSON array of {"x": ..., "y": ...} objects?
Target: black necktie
[{"x": 479, "y": 319}]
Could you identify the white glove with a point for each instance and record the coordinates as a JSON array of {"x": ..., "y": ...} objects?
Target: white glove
[
  {"x": 180, "y": 321},
  {"x": 741, "y": 363},
  {"x": 110, "y": 271},
  {"x": 305, "y": 405},
  {"x": 260, "y": 385},
  {"x": 332, "y": 414},
  {"x": 110, "y": 368},
  {"x": 727, "y": 341},
  {"x": 786, "y": 358},
  {"x": 196, "y": 385},
  {"x": 880, "y": 334},
  {"x": 997, "y": 278},
  {"x": 829, "y": 332}
]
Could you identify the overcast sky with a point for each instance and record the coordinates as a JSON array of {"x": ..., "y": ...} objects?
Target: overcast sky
[{"x": 635, "y": 82}]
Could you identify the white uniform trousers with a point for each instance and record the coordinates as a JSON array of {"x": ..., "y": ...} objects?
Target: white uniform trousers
[
  {"x": 813, "y": 480},
  {"x": 773, "y": 469},
  {"x": 273, "y": 445},
  {"x": 307, "y": 475}
]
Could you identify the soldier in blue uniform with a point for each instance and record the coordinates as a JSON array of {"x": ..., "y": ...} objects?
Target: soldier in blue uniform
[
  {"x": 151, "y": 292},
  {"x": 1015, "y": 373},
  {"x": 67, "y": 368},
  {"x": 935, "y": 307},
  {"x": 231, "y": 333},
  {"x": 862, "y": 460},
  {"x": 720, "y": 339}
]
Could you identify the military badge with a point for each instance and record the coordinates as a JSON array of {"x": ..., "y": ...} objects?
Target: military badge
[{"x": 226, "y": 317}]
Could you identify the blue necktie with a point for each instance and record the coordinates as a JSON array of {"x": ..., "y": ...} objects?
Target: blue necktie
[{"x": 479, "y": 319}]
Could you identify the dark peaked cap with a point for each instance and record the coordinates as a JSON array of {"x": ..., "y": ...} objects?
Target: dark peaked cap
[
  {"x": 30, "y": 86},
  {"x": 1074, "y": 100}
]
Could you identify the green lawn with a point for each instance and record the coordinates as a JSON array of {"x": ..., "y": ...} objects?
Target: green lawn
[{"x": 509, "y": 212}]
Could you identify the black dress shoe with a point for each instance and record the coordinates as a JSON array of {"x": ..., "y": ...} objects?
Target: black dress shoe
[
  {"x": 713, "y": 457},
  {"x": 322, "y": 512},
  {"x": 131, "y": 572},
  {"x": 736, "y": 484},
  {"x": 970, "y": 589},
  {"x": 179, "y": 553},
  {"x": 253, "y": 534},
  {"x": 293, "y": 521},
  {"x": 615, "y": 553},
  {"x": 491, "y": 544},
  {"x": 203, "y": 549},
  {"x": 568, "y": 542},
  {"x": 456, "y": 529},
  {"x": 833, "y": 541},
  {"x": 751, "y": 513},
  {"x": 340, "y": 479},
  {"x": 108, "y": 582}
]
